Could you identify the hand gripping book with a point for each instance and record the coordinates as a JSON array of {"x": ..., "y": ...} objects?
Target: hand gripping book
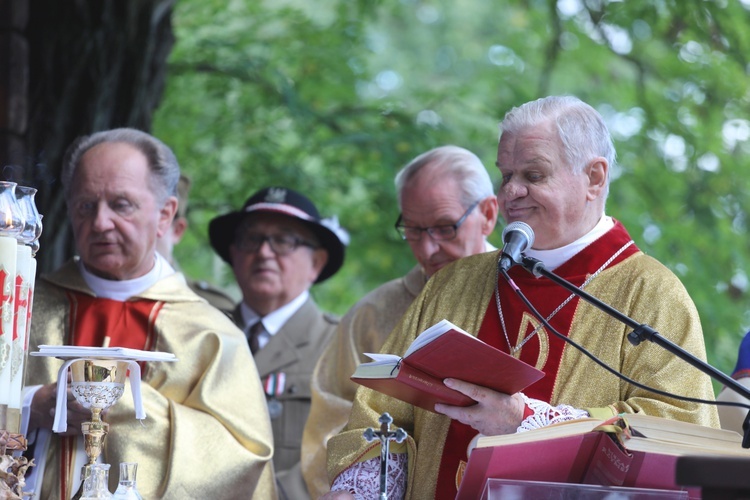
[
  {"x": 444, "y": 351},
  {"x": 630, "y": 450}
]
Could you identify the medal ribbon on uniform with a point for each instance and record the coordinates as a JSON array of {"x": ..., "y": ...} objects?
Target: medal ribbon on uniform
[{"x": 274, "y": 384}]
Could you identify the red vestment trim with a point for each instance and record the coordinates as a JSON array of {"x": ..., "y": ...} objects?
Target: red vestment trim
[
  {"x": 546, "y": 296},
  {"x": 67, "y": 445}
]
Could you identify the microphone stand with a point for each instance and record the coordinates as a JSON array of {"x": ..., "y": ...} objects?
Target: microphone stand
[{"x": 642, "y": 332}]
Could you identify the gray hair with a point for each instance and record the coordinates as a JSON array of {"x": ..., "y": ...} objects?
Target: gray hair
[
  {"x": 165, "y": 171},
  {"x": 463, "y": 165},
  {"x": 580, "y": 127}
]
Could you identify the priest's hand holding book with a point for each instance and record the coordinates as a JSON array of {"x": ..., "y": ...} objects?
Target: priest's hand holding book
[
  {"x": 449, "y": 371},
  {"x": 493, "y": 414}
]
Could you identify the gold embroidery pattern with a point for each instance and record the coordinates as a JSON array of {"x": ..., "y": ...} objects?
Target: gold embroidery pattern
[{"x": 529, "y": 322}]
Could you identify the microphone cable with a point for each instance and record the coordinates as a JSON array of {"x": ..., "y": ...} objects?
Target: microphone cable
[{"x": 604, "y": 365}]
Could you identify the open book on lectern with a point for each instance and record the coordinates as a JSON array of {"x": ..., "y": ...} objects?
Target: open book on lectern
[{"x": 444, "y": 351}]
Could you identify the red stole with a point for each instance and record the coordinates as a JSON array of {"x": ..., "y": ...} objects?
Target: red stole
[
  {"x": 126, "y": 324},
  {"x": 544, "y": 350}
]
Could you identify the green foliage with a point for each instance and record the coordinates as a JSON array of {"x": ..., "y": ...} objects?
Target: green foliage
[{"x": 333, "y": 98}]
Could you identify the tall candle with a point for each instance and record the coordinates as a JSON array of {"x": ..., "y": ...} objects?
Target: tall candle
[
  {"x": 7, "y": 292},
  {"x": 20, "y": 313},
  {"x": 32, "y": 283}
]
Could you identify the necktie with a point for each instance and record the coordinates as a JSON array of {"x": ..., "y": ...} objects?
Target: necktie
[{"x": 255, "y": 331}]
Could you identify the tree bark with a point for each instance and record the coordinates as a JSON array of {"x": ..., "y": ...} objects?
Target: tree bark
[
  {"x": 14, "y": 81},
  {"x": 92, "y": 65}
]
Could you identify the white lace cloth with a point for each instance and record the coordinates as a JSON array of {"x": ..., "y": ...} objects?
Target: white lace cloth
[
  {"x": 363, "y": 478},
  {"x": 546, "y": 414}
]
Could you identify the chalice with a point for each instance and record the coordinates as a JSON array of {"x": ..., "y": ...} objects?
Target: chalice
[{"x": 97, "y": 384}]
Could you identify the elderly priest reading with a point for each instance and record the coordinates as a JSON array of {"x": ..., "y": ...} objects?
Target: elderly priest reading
[{"x": 555, "y": 156}]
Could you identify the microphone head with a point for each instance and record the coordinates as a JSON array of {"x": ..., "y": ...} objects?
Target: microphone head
[{"x": 523, "y": 228}]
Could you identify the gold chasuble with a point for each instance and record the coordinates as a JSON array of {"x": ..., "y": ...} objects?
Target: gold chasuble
[
  {"x": 614, "y": 271},
  {"x": 206, "y": 434}
]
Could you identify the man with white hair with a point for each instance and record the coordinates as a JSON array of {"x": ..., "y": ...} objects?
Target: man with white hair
[
  {"x": 447, "y": 210},
  {"x": 554, "y": 155}
]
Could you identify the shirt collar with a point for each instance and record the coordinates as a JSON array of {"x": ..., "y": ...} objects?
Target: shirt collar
[
  {"x": 122, "y": 290},
  {"x": 556, "y": 257},
  {"x": 273, "y": 321}
]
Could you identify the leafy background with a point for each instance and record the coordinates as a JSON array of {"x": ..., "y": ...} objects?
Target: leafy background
[{"x": 333, "y": 97}]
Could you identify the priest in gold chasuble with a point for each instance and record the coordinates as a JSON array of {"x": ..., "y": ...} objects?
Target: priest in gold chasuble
[
  {"x": 554, "y": 156},
  {"x": 207, "y": 433}
]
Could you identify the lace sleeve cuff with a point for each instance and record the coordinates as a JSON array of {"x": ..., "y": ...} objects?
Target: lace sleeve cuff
[{"x": 541, "y": 414}]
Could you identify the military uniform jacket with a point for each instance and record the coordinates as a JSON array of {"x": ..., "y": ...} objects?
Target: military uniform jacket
[{"x": 285, "y": 366}]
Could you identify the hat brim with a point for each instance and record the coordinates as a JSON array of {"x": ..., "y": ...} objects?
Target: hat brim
[{"x": 221, "y": 232}]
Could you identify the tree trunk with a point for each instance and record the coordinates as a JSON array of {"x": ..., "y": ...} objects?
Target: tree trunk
[{"x": 92, "y": 65}]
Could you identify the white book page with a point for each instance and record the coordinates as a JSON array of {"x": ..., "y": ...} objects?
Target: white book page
[
  {"x": 382, "y": 359},
  {"x": 431, "y": 334}
]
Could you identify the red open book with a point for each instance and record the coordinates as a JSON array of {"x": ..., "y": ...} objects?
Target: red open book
[
  {"x": 444, "y": 351},
  {"x": 633, "y": 450}
]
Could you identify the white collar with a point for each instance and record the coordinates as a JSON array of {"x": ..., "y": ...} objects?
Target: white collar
[
  {"x": 273, "y": 321},
  {"x": 122, "y": 290},
  {"x": 556, "y": 257}
]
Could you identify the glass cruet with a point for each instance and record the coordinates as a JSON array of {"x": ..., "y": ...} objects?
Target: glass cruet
[
  {"x": 126, "y": 489},
  {"x": 96, "y": 486}
]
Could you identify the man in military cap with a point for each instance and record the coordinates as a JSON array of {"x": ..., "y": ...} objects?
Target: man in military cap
[{"x": 279, "y": 246}]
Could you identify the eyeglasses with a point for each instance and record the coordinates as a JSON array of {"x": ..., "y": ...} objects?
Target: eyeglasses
[
  {"x": 438, "y": 233},
  {"x": 281, "y": 244}
]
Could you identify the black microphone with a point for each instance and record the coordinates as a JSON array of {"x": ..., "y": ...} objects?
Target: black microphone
[{"x": 517, "y": 236}]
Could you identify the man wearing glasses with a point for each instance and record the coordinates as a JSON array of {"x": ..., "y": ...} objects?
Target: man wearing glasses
[
  {"x": 447, "y": 211},
  {"x": 555, "y": 155},
  {"x": 278, "y": 247}
]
